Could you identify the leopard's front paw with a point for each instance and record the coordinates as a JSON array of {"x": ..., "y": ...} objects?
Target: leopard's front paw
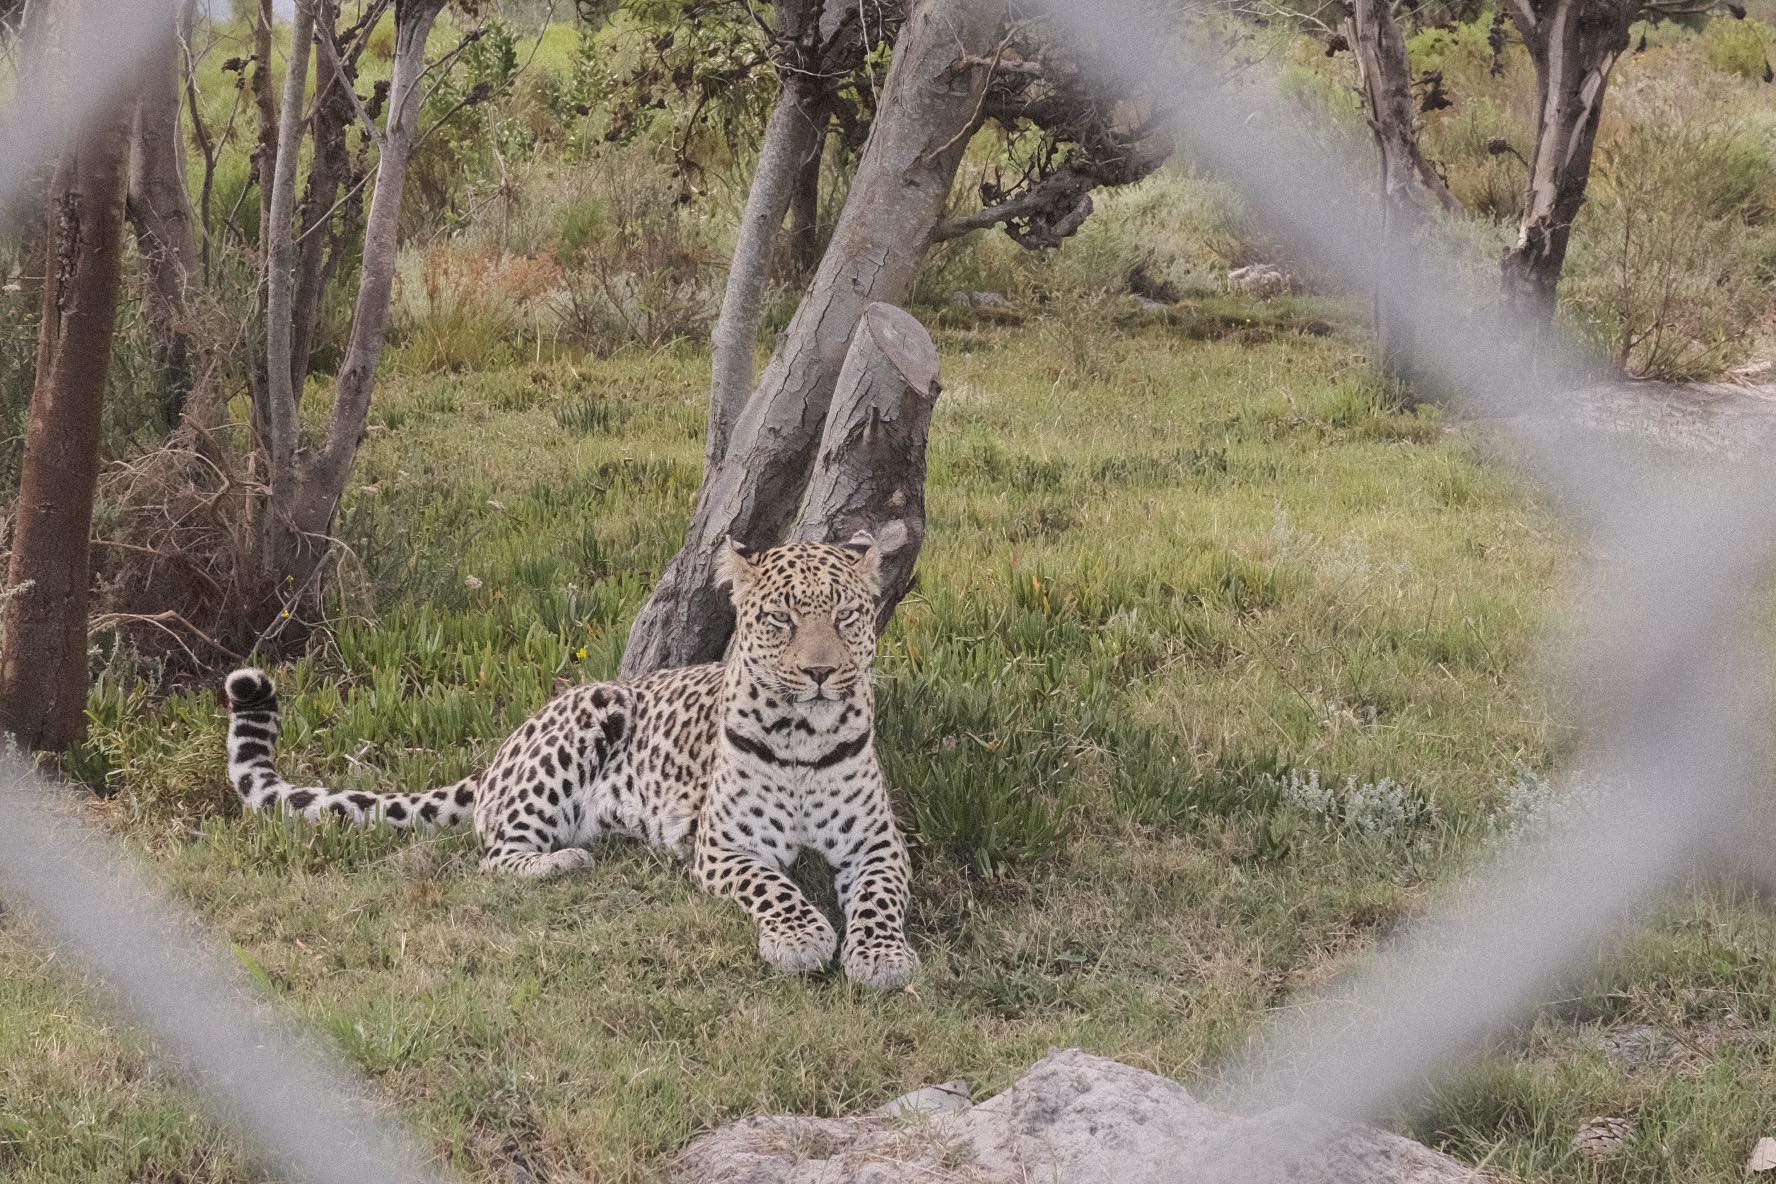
[
  {"x": 563, "y": 862},
  {"x": 800, "y": 947},
  {"x": 881, "y": 965}
]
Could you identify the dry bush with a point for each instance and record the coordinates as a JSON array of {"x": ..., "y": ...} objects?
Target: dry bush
[
  {"x": 1673, "y": 263},
  {"x": 175, "y": 555},
  {"x": 468, "y": 308},
  {"x": 175, "y": 534},
  {"x": 641, "y": 268},
  {"x": 588, "y": 260}
]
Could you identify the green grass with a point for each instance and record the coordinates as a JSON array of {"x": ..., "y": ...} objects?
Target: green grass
[{"x": 1174, "y": 568}]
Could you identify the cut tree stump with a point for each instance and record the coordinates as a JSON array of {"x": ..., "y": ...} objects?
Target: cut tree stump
[
  {"x": 869, "y": 477},
  {"x": 928, "y": 113}
]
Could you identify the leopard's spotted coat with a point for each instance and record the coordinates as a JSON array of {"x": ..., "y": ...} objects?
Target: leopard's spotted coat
[{"x": 742, "y": 764}]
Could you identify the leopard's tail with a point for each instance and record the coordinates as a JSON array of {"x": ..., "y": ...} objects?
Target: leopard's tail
[{"x": 253, "y": 726}]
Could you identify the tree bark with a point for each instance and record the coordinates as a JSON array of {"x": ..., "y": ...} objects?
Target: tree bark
[
  {"x": 1384, "y": 76},
  {"x": 804, "y": 216},
  {"x": 43, "y": 666},
  {"x": 792, "y": 136},
  {"x": 870, "y": 475},
  {"x": 264, "y": 91},
  {"x": 278, "y": 416},
  {"x": 299, "y": 521},
  {"x": 265, "y": 154},
  {"x": 793, "y": 133},
  {"x": 1407, "y": 181},
  {"x": 1574, "y": 45},
  {"x": 159, "y": 208},
  {"x": 327, "y": 171},
  {"x": 927, "y": 114}
]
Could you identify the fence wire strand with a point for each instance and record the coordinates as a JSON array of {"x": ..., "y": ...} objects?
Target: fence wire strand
[{"x": 300, "y": 1109}]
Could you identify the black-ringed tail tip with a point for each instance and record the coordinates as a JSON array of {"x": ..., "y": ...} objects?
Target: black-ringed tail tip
[
  {"x": 250, "y": 689},
  {"x": 254, "y": 724}
]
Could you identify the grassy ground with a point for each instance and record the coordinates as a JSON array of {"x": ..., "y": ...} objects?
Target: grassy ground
[{"x": 1177, "y": 567}]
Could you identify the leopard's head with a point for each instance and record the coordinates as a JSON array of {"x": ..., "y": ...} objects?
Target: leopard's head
[{"x": 805, "y": 615}]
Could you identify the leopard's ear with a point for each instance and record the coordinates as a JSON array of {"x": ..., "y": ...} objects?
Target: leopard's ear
[
  {"x": 871, "y": 547},
  {"x": 737, "y": 567}
]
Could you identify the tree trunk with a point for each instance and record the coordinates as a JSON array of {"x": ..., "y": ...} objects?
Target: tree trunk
[
  {"x": 791, "y": 137},
  {"x": 159, "y": 208},
  {"x": 870, "y": 475},
  {"x": 278, "y": 415},
  {"x": 792, "y": 134},
  {"x": 298, "y": 523},
  {"x": 1384, "y": 76},
  {"x": 925, "y": 120},
  {"x": 264, "y": 90},
  {"x": 265, "y": 155},
  {"x": 43, "y": 666},
  {"x": 804, "y": 217},
  {"x": 1574, "y": 45},
  {"x": 327, "y": 171},
  {"x": 1407, "y": 180}
]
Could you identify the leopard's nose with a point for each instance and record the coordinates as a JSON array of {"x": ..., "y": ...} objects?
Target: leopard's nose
[{"x": 819, "y": 673}]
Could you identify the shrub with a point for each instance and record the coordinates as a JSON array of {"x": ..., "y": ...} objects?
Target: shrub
[
  {"x": 1487, "y": 183},
  {"x": 640, "y": 267},
  {"x": 1180, "y": 232},
  {"x": 1382, "y": 811},
  {"x": 1673, "y": 269},
  {"x": 136, "y": 410},
  {"x": 1736, "y": 47},
  {"x": 462, "y": 308}
]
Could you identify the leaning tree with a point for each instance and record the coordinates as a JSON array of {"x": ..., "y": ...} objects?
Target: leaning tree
[
  {"x": 957, "y": 64},
  {"x": 1574, "y": 46},
  {"x": 43, "y": 658}
]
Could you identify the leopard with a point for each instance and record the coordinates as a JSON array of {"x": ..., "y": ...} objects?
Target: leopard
[{"x": 738, "y": 766}]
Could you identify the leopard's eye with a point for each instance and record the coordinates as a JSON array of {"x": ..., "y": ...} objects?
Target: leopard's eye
[
  {"x": 848, "y": 614},
  {"x": 779, "y": 619}
]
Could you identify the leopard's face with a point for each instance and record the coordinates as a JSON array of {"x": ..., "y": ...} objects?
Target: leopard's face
[{"x": 805, "y": 617}]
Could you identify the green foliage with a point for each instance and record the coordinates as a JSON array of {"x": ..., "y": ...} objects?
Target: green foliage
[
  {"x": 18, "y": 374},
  {"x": 475, "y": 127},
  {"x": 569, "y": 95},
  {"x": 1739, "y": 47},
  {"x": 1179, "y": 231},
  {"x": 697, "y": 76},
  {"x": 136, "y": 409}
]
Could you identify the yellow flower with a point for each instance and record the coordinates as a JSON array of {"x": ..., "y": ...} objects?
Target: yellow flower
[
  {"x": 581, "y": 653},
  {"x": 285, "y": 613}
]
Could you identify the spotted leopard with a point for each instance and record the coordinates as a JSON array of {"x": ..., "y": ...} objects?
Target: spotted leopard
[{"x": 741, "y": 764}]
